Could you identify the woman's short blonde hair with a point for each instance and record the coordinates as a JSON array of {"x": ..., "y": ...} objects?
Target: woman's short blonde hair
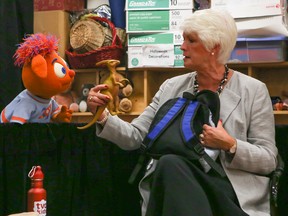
[{"x": 213, "y": 27}]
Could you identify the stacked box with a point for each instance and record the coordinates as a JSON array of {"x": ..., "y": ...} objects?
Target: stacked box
[
  {"x": 158, "y": 5},
  {"x": 67, "y": 5},
  {"x": 155, "y": 50},
  {"x": 154, "y": 37},
  {"x": 56, "y": 23},
  {"x": 166, "y": 15},
  {"x": 155, "y": 20},
  {"x": 52, "y": 17},
  {"x": 266, "y": 49}
]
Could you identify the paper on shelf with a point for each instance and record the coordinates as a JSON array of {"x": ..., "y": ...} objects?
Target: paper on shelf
[
  {"x": 262, "y": 26},
  {"x": 250, "y": 8}
]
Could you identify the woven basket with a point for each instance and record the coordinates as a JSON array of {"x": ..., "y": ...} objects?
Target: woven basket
[
  {"x": 86, "y": 35},
  {"x": 90, "y": 58}
]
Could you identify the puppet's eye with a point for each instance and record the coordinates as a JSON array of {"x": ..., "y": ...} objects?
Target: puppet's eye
[
  {"x": 60, "y": 70},
  {"x": 65, "y": 62}
]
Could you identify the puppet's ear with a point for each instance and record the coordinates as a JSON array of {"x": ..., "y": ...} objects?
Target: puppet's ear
[{"x": 39, "y": 66}]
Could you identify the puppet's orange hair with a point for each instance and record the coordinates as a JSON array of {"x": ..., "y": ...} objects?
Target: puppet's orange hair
[{"x": 33, "y": 45}]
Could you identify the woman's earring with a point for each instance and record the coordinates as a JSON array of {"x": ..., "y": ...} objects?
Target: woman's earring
[{"x": 212, "y": 53}]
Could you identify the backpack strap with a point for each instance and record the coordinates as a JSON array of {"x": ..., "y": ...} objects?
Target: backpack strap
[
  {"x": 187, "y": 129},
  {"x": 165, "y": 121},
  {"x": 141, "y": 161},
  {"x": 190, "y": 136},
  {"x": 159, "y": 127}
]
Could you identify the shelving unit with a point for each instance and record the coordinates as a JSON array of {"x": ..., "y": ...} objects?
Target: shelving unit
[
  {"x": 146, "y": 82},
  {"x": 274, "y": 75},
  {"x": 93, "y": 75}
]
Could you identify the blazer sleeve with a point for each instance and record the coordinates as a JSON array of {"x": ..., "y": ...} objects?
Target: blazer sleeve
[{"x": 129, "y": 136}]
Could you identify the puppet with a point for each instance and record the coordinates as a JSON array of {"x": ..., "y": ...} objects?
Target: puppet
[{"x": 44, "y": 74}]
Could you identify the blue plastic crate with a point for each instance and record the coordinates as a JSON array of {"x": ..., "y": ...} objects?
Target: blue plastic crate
[{"x": 265, "y": 49}]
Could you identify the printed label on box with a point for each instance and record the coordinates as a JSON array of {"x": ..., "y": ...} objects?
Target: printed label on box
[
  {"x": 158, "y": 5},
  {"x": 165, "y": 20},
  {"x": 162, "y": 55},
  {"x": 178, "y": 54},
  {"x": 155, "y": 56},
  {"x": 157, "y": 38}
]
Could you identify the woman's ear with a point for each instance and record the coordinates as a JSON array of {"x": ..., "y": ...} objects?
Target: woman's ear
[
  {"x": 215, "y": 49},
  {"x": 39, "y": 66}
]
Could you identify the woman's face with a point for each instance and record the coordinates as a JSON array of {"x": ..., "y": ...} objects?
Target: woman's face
[{"x": 194, "y": 52}]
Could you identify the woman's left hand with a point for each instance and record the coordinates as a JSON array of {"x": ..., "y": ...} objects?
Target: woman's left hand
[{"x": 216, "y": 137}]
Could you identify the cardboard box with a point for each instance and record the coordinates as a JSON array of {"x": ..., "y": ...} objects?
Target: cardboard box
[
  {"x": 155, "y": 20},
  {"x": 250, "y": 8},
  {"x": 266, "y": 49},
  {"x": 158, "y": 5},
  {"x": 56, "y": 23},
  {"x": 175, "y": 38},
  {"x": 155, "y": 50},
  {"x": 155, "y": 56},
  {"x": 68, "y": 5}
]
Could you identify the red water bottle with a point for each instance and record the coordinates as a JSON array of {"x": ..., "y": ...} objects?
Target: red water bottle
[{"x": 37, "y": 194}]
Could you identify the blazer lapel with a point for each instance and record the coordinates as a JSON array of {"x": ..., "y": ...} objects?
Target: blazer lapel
[{"x": 228, "y": 102}]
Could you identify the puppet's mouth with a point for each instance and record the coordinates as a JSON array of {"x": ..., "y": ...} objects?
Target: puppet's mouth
[
  {"x": 66, "y": 84},
  {"x": 68, "y": 81}
]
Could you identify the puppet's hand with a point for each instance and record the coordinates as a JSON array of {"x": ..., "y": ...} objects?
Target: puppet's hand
[{"x": 65, "y": 115}]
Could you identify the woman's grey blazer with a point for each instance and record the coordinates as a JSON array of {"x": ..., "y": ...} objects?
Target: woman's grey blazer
[{"x": 247, "y": 114}]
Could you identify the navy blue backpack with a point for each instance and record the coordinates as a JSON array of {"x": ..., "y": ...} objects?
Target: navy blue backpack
[{"x": 176, "y": 127}]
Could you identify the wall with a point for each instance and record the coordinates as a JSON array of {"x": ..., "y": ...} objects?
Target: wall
[{"x": 95, "y": 3}]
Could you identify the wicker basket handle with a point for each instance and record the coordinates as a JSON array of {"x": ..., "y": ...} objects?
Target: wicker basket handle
[{"x": 115, "y": 39}]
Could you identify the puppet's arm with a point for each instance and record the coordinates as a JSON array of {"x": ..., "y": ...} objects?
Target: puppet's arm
[{"x": 65, "y": 115}]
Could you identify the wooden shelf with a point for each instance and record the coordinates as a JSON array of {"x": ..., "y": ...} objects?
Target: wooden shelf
[
  {"x": 95, "y": 70},
  {"x": 260, "y": 65},
  {"x": 84, "y": 117},
  {"x": 146, "y": 82},
  {"x": 281, "y": 117}
]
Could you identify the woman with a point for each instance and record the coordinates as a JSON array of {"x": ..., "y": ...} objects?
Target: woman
[{"x": 244, "y": 134}]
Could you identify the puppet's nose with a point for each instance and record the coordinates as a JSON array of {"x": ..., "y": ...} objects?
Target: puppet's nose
[{"x": 71, "y": 73}]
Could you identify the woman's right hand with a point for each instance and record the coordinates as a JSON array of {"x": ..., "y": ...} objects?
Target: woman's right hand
[{"x": 96, "y": 98}]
